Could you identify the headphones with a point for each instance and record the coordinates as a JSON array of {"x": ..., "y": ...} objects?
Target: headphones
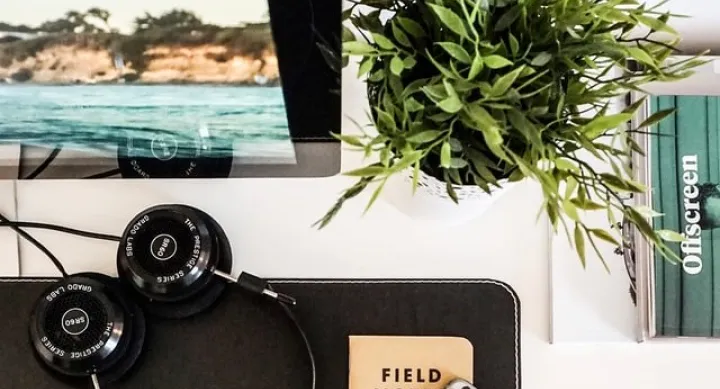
[{"x": 173, "y": 262}]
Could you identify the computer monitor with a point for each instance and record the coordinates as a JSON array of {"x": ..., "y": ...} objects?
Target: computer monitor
[{"x": 169, "y": 89}]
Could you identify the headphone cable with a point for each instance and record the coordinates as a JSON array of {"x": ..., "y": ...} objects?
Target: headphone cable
[{"x": 287, "y": 310}]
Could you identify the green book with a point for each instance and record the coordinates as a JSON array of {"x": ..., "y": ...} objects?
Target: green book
[{"x": 685, "y": 164}]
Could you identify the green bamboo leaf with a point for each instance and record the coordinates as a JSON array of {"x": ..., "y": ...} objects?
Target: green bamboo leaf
[
  {"x": 368, "y": 171},
  {"x": 458, "y": 163},
  {"x": 412, "y": 105},
  {"x": 496, "y": 61},
  {"x": 450, "y": 19},
  {"x": 514, "y": 45},
  {"x": 445, "y": 71},
  {"x": 641, "y": 56},
  {"x": 409, "y": 62},
  {"x": 503, "y": 83},
  {"x": 571, "y": 210},
  {"x": 481, "y": 116},
  {"x": 400, "y": 35},
  {"x": 508, "y": 18},
  {"x": 412, "y": 27},
  {"x": 445, "y": 155},
  {"x": 571, "y": 185},
  {"x": 383, "y": 42},
  {"x": 580, "y": 245},
  {"x": 397, "y": 66},
  {"x": 476, "y": 67},
  {"x": 424, "y": 137},
  {"x": 541, "y": 59},
  {"x": 567, "y": 165},
  {"x": 349, "y": 139},
  {"x": 657, "y": 117},
  {"x": 365, "y": 66},
  {"x": 451, "y": 105},
  {"x": 646, "y": 211},
  {"x": 601, "y": 124},
  {"x": 358, "y": 48},
  {"x": 456, "y": 51},
  {"x": 655, "y": 24},
  {"x": 604, "y": 235},
  {"x": 670, "y": 236},
  {"x": 375, "y": 195},
  {"x": 530, "y": 131}
]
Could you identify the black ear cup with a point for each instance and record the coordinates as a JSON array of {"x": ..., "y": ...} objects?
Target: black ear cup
[
  {"x": 174, "y": 155},
  {"x": 168, "y": 255},
  {"x": 85, "y": 324}
]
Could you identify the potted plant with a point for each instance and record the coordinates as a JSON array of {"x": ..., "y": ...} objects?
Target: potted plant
[{"x": 478, "y": 94}]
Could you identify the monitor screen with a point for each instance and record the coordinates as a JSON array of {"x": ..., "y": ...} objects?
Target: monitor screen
[{"x": 164, "y": 89}]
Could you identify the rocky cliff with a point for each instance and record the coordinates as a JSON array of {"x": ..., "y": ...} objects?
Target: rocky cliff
[{"x": 163, "y": 64}]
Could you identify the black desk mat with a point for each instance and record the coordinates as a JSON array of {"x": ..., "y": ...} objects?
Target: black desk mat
[{"x": 247, "y": 343}]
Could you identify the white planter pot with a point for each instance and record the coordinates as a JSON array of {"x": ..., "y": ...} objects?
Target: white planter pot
[{"x": 431, "y": 203}]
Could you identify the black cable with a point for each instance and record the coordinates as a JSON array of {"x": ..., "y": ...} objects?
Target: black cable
[
  {"x": 37, "y": 244},
  {"x": 67, "y": 230},
  {"x": 106, "y": 174},
  {"x": 308, "y": 347},
  {"x": 50, "y": 158}
]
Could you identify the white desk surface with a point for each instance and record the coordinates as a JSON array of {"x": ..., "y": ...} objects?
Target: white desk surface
[{"x": 268, "y": 221}]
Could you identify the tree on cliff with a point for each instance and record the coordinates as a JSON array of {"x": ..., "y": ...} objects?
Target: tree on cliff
[
  {"x": 173, "y": 19},
  {"x": 93, "y": 21}
]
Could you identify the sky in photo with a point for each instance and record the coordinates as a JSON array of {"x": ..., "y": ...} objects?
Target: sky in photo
[{"x": 220, "y": 12}]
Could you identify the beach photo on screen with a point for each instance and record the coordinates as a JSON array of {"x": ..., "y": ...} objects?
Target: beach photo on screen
[{"x": 165, "y": 77}]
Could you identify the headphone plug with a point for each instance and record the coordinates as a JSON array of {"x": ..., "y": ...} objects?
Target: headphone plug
[{"x": 257, "y": 285}]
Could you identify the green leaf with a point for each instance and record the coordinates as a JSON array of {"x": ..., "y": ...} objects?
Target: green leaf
[
  {"x": 451, "y": 105},
  {"x": 508, "y": 18},
  {"x": 412, "y": 27},
  {"x": 571, "y": 210},
  {"x": 572, "y": 184},
  {"x": 424, "y": 137},
  {"x": 604, "y": 235},
  {"x": 541, "y": 59},
  {"x": 601, "y": 124},
  {"x": 445, "y": 155},
  {"x": 514, "y": 45},
  {"x": 670, "y": 236},
  {"x": 451, "y": 20},
  {"x": 646, "y": 211},
  {"x": 641, "y": 55},
  {"x": 455, "y": 144},
  {"x": 481, "y": 116},
  {"x": 456, "y": 51},
  {"x": 657, "y": 117},
  {"x": 580, "y": 245},
  {"x": 445, "y": 71},
  {"x": 530, "y": 131},
  {"x": 409, "y": 62},
  {"x": 358, "y": 48},
  {"x": 566, "y": 164},
  {"x": 412, "y": 105},
  {"x": 368, "y": 171},
  {"x": 476, "y": 67},
  {"x": 375, "y": 195},
  {"x": 383, "y": 42},
  {"x": 349, "y": 139},
  {"x": 496, "y": 61},
  {"x": 365, "y": 66},
  {"x": 655, "y": 24},
  {"x": 458, "y": 163},
  {"x": 503, "y": 83},
  {"x": 400, "y": 35},
  {"x": 397, "y": 66}
]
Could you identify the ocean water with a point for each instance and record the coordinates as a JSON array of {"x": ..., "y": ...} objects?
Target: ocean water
[{"x": 99, "y": 117}]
